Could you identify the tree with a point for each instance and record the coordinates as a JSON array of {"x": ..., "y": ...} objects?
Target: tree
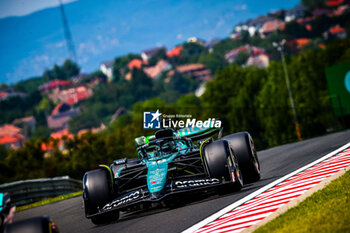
[
  {"x": 213, "y": 61},
  {"x": 231, "y": 97},
  {"x": 180, "y": 83},
  {"x": 69, "y": 69},
  {"x": 16, "y": 107},
  {"x": 242, "y": 58},
  {"x": 48, "y": 75},
  {"x": 295, "y": 30},
  {"x": 120, "y": 65},
  {"x": 320, "y": 25},
  {"x": 191, "y": 53},
  {"x": 160, "y": 54},
  {"x": 29, "y": 85},
  {"x": 312, "y": 4},
  {"x": 64, "y": 72},
  {"x": 57, "y": 73},
  {"x": 219, "y": 92},
  {"x": 189, "y": 104},
  {"x": 3, "y": 152},
  {"x": 274, "y": 110},
  {"x": 245, "y": 37},
  {"x": 85, "y": 120},
  {"x": 27, "y": 162},
  {"x": 41, "y": 131},
  {"x": 141, "y": 85}
]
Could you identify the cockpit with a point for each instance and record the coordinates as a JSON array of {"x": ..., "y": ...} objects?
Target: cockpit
[{"x": 163, "y": 148}]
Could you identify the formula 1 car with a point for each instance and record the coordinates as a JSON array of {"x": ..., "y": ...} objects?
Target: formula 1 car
[
  {"x": 40, "y": 224},
  {"x": 170, "y": 162}
]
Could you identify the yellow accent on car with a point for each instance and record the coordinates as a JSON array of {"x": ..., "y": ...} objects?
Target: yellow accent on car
[
  {"x": 109, "y": 169},
  {"x": 189, "y": 172},
  {"x": 200, "y": 148}
]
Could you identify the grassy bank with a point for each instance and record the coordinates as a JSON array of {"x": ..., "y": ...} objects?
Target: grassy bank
[
  {"x": 327, "y": 210},
  {"x": 49, "y": 200}
]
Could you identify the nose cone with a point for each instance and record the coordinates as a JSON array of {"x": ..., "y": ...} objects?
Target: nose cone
[{"x": 156, "y": 175}]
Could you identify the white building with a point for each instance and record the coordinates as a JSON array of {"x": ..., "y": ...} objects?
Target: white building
[{"x": 107, "y": 69}]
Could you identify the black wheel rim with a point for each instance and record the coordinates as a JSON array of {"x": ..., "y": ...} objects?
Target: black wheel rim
[{"x": 255, "y": 157}]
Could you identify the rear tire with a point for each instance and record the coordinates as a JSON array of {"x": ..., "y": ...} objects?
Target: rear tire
[
  {"x": 42, "y": 224},
  {"x": 222, "y": 163},
  {"x": 97, "y": 193},
  {"x": 248, "y": 161}
]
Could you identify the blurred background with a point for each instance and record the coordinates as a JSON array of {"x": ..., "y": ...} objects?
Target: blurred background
[{"x": 76, "y": 75}]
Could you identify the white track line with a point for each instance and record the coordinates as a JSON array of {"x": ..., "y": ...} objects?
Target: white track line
[{"x": 259, "y": 191}]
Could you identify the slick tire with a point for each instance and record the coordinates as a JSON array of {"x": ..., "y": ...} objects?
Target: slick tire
[
  {"x": 41, "y": 224},
  {"x": 248, "y": 161},
  {"x": 97, "y": 190},
  {"x": 222, "y": 163}
]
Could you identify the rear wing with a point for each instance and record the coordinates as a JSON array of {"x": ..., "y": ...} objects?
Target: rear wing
[{"x": 194, "y": 133}]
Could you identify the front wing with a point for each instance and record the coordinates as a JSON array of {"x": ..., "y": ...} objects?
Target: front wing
[{"x": 175, "y": 187}]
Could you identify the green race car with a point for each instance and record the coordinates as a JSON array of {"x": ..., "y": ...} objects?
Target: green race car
[{"x": 170, "y": 162}]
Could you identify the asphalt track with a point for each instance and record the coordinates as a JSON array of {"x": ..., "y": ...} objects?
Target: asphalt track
[{"x": 275, "y": 163}]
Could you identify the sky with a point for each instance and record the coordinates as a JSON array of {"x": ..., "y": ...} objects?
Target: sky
[
  {"x": 25, "y": 7},
  {"x": 32, "y": 36}
]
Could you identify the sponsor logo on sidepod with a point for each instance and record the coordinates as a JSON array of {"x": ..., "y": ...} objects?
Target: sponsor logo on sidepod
[{"x": 196, "y": 183}]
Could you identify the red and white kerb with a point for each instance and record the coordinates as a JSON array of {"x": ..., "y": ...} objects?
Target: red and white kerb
[{"x": 262, "y": 205}]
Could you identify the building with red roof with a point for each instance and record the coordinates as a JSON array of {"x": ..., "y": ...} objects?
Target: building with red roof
[
  {"x": 62, "y": 133},
  {"x": 341, "y": 9},
  {"x": 271, "y": 26},
  {"x": 338, "y": 32},
  {"x": 9, "y": 129},
  {"x": 10, "y": 92},
  {"x": 299, "y": 42},
  {"x": 11, "y": 137},
  {"x": 197, "y": 71},
  {"x": 251, "y": 50},
  {"x": 3, "y": 95},
  {"x": 175, "y": 52},
  {"x": 60, "y": 116},
  {"x": 136, "y": 63},
  {"x": 156, "y": 71},
  {"x": 54, "y": 84},
  {"x": 27, "y": 124},
  {"x": 58, "y": 140},
  {"x": 335, "y": 32},
  {"x": 92, "y": 130},
  {"x": 332, "y": 3},
  {"x": 306, "y": 21},
  {"x": 72, "y": 95},
  {"x": 260, "y": 60}
]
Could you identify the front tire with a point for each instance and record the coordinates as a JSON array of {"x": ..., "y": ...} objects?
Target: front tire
[
  {"x": 222, "y": 163},
  {"x": 248, "y": 161},
  {"x": 97, "y": 193}
]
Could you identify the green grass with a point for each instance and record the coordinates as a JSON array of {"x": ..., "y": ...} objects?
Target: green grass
[
  {"x": 49, "y": 200},
  {"x": 327, "y": 210}
]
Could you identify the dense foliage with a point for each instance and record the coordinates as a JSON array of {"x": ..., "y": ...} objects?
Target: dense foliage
[{"x": 245, "y": 99}]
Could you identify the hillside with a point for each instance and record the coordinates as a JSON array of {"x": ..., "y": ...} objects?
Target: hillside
[
  {"x": 103, "y": 30},
  {"x": 68, "y": 115}
]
